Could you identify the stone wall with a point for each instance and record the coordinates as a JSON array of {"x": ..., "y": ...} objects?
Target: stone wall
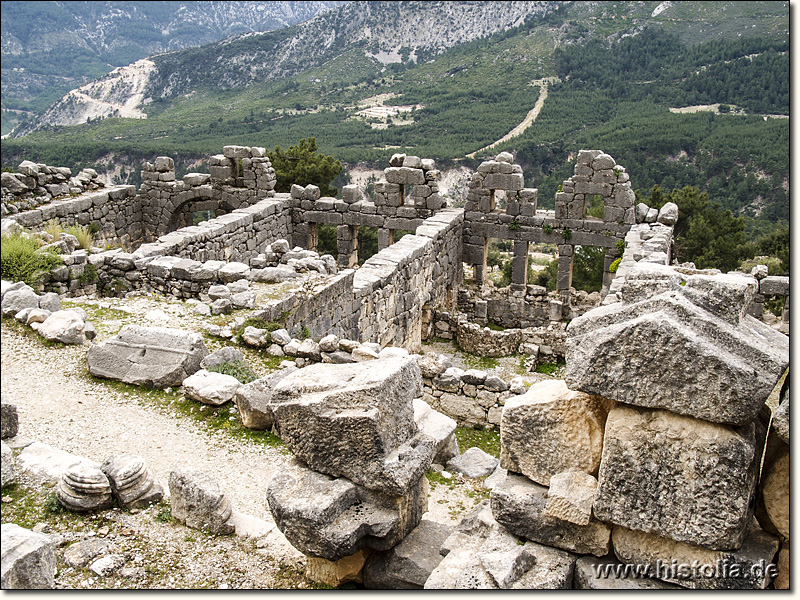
[
  {"x": 34, "y": 184},
  {"x": 596, "y": 174},
  {"x": 385, "y": 300},
  {"x": 115, "y": 211}
]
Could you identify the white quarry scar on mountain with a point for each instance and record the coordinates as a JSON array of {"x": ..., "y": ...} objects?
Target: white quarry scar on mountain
[
  {"x": 119, "y": 94},
  {"x": 526, "y": 122}
]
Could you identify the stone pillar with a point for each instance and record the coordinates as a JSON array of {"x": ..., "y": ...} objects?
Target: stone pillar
[
  {"x": 786, "y": 310},
  {"x": 480, "y": 269},
  {"x": 564, "y": 279},
  {"x": 313, "y": 236},
  {"x": 519, "y": 268},
  {"x": 347, "y": 246},
  {"x": 300, "y": 234}
]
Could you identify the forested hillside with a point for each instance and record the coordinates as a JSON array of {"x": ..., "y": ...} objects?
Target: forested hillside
[{"x": 617, "y": 79}]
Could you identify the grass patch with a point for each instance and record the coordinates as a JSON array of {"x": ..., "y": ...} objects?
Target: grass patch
[
  {"x": 483, "y": 363},
  {"x": 29, "y": 507},
  {"x": 435, "y": 479},
  {"x": 487, "y": 440},
  {"x": 238, "y": 369},
  {"x": 555, "y": 369},
  {"x": 494, "y": 326}
]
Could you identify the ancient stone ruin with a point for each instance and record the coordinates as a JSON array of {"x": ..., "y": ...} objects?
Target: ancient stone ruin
[{"x": 657, "y": 449}]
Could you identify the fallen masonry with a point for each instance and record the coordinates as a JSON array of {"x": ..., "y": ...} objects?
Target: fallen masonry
[{"x": 656, "y": 449}]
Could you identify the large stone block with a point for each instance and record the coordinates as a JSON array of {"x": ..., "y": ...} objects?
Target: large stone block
[
  {"x": 520, "y": 505},
  {"x": 356, "y": 421},
  {"x": 682, "y": 478},
  {"x": 409, "y": 564},
  {"x": 481, "y": 554},
  {"x": 28, "y": 559},
  {"x": 690, "y": 566},
  {"x": 155, "y": 356},
  {"x": 551, "y": 429},
  {"x": 679, "y": 343},
  {"x": 331, "y": 518},
  {"x": 593, "y": 573},
  {"x": 198, "y": 501}
]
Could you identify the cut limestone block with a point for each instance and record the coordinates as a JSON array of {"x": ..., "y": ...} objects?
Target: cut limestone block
[
  {"x": 440, "y": 428},
  {"x": 679, "y": 343},
  {"x": 474, "y": 463},
  {"x": 211, "y": 388},
  {"x": 481, "y": 554},
  {"x": 593, "y": 573},
  {"x": 254, "y": 400},
  {"x": 519, "y": 504},
  {"x": 551, "y": 429},
  {"x": 571, "y": 496},
  {"x": 682, "y": 478},
  {"x": 699, "y": 568},
  {"x": 782, "y": 580},
  {"x": 775, "y": 492},
  {"x": 154, "y": 356},
  {"x": 28, "y": 559},
  {"x": 331, "y": 518},
  {"x": 9, "y": 420},
  {"x": 356, "y": 421},
  {"x": 408, "y": 565},
  {"x": 197, "y": 501},
  {"x": 335, "y": 573}
]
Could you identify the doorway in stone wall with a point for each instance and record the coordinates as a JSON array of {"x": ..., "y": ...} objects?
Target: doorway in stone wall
[
  {"x": 326, "y": 240},
  {"x": 367, "y": 243}
]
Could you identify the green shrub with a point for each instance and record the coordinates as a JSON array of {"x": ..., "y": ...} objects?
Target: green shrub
[
  {"x": 238, "y": 369},
  {"x": 620, "y": 246},
  {"x": 612, "y": 268},
  {"x": 22, "y": 260}
]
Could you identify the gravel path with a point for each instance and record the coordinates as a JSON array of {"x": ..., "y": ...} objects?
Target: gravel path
[{"x": 59, "y": 404}]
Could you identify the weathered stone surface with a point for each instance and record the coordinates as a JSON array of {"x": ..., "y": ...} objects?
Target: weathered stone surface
[
  {"x": 9, "y": 421},
  {"x": 80, "y": 554},
  {"x": 132, "y": 483},
  {"x": 356, "y": 421},
  {"x": 409, "y": 564},
  {"x": 210, "y": 388},
  {"x": 700, "y": 568},
  {"x": 593, "y": 573},
  {"x": 197, "y": 501},
  {"x": 65, "y": 326},
  {"x": 481, "y": 554},
  {"x": 331, "y": 518},
  {"x": 782, "y": 580},
  {"x": 8, "y": 467},
  {"x": 551, "y": 429},
  {"x": 630, "y": 351},
  {"x": 28, "y": 559},
  {"x": 780, "y": 419},
  {"x": 84, "y": 487},
  {"x": 254, "y": 400},
  {"x": 226, "y": 354},
  {"x": 154, "y": 356},
  {"x": 440, "y": 428},
  {"x": 431, "y": 364},
  {"x": 775, "y": 491},
  {"x": 519, "y": 504},
  {"x": 668, "y": 215},
  {"x": 45, "y": 462},
  {"x": 335, "y": 573},
  {"x": 14, "y": 300},
  {"x": 474, "y": 463},
  {"x": 648, "y": 482},
  {"x": 571, "y": 496}
]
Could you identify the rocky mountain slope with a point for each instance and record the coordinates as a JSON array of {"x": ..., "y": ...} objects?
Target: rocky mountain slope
[
  {"x": 51, "y": 47},
  {"x": 385, "y": 32}
]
